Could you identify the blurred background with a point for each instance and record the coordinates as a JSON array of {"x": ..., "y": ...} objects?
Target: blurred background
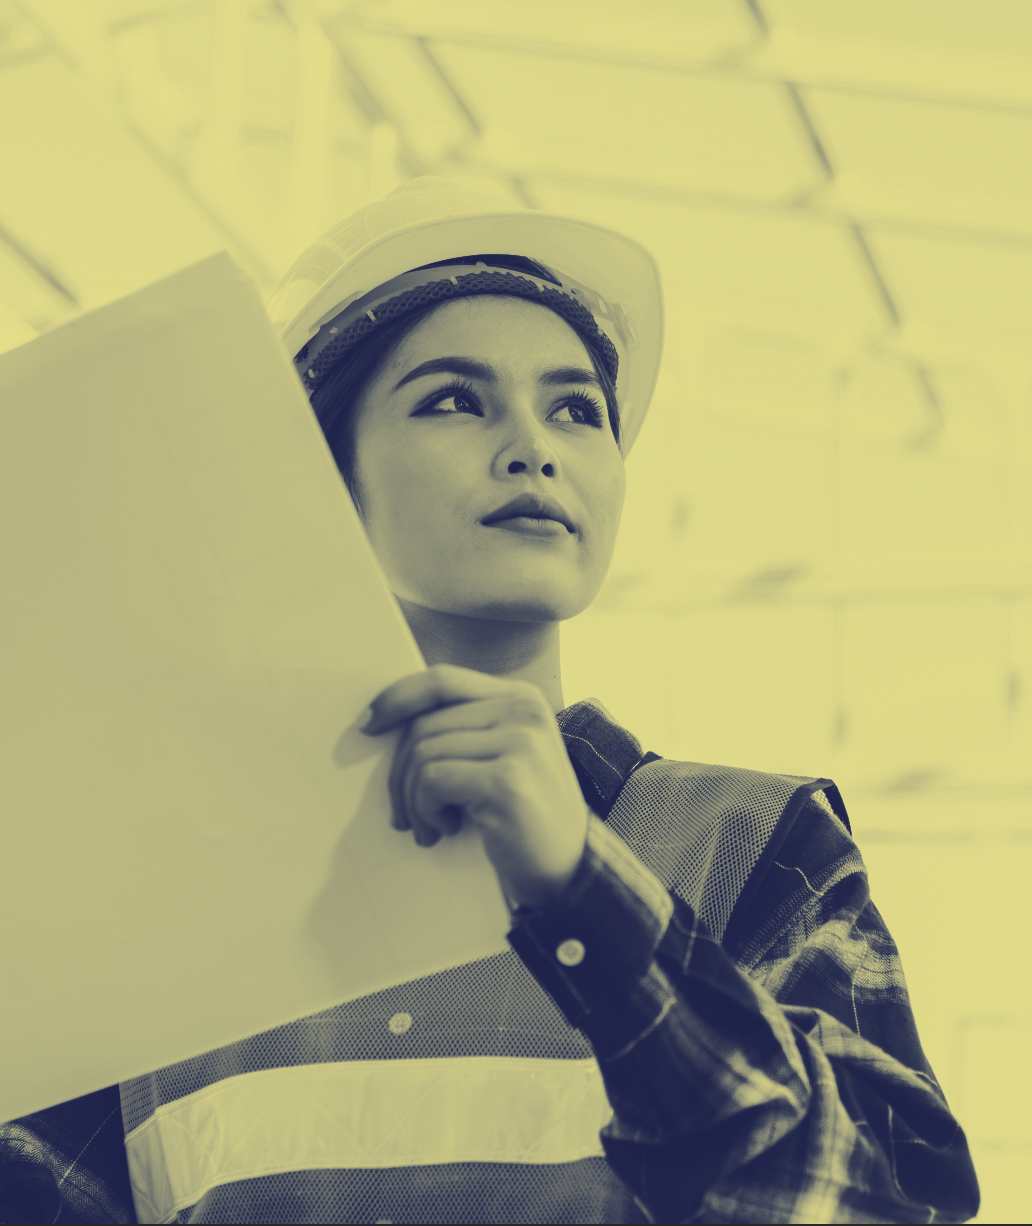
[{"x": 826, "y": 560}]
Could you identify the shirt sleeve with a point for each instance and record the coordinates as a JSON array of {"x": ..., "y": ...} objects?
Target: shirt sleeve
[
  {"x": 67, "y": 1163},
  {"x": 784, "y": 1085}
]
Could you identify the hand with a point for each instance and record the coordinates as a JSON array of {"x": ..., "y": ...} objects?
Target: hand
[{"x": 487, "y": 750}]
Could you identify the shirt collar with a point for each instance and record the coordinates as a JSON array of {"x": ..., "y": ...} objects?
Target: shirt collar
[{"x": 602, "y": 753}]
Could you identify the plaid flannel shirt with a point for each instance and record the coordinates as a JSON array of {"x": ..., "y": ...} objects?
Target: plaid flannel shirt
[{"x": 774, "y": 1076}]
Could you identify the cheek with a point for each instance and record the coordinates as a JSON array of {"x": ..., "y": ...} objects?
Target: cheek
[
  {"x": 607, "y": 499},
  {"x": 407, "y": 494}
]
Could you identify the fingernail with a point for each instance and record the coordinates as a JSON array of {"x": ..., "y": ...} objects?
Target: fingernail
[{"x": 366, "y": 719}]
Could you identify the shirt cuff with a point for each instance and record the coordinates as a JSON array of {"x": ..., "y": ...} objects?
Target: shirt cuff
[{"x": 597, "y": 941}]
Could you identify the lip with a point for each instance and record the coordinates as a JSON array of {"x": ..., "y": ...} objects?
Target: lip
[
  {"x": 531, "y": 506},
  {"x": 531, "y": 526}
]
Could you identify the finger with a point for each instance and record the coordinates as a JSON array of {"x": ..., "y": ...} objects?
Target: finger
[
  {"x": 445, "y": 785},
  {"x": 481, "y": 716},
  {"x": 478, "y": 714},
  {"x": 449, "y": 819},
  {"x": 401, "y": 769},
  {"x": 439, "y": 686},
  {"x": 476, "y": 745},
  {"x": 395, "y": 781},
  {"x": 440, "y": 820},
  {"x": 446, "y": 774},
  {"x": 413, "y": 757}
]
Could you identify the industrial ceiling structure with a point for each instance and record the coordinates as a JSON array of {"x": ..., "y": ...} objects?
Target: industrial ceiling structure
[
  {"x": 825, "y": 565},
  {"x": 840, "y": 199}
]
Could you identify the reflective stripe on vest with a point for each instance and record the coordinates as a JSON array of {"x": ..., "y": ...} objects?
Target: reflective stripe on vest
[{"x": 365, "y": 1114}]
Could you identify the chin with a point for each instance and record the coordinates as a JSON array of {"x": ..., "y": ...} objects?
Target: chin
[{"x": 512, "y": 607}]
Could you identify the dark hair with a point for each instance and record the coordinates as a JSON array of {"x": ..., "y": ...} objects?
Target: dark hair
[{"x": 335, "y": 399}]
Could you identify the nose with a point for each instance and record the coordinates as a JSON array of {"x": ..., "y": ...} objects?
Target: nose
[
  {"x": 529, "y": 451},
  {"x": 546, "y": 467}
]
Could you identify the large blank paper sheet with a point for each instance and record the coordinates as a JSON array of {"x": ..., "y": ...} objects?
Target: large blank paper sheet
[{"x": 194, "y": 837}]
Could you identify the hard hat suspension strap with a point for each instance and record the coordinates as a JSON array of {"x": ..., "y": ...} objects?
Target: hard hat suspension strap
[{"x": 421, "y": 287}]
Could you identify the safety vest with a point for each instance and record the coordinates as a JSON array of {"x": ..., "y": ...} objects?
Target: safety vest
[{"x": 464, "y": 1096}]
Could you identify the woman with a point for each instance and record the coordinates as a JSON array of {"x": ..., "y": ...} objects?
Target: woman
[{"x": 702, "y": 1016}]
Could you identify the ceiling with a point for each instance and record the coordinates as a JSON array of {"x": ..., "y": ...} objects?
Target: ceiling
[{"x": 839, "y": 195}]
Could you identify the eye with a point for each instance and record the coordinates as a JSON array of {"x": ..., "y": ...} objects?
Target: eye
[
  {"x": 456, "y": 398},
  {"x": 588, "y": 412}
]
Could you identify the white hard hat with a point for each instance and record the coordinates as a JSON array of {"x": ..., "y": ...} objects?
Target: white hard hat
[{"x": 342, "y": 278}]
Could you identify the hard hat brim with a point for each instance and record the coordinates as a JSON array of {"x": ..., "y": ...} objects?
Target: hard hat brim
[{"x": 618, "y": 268}]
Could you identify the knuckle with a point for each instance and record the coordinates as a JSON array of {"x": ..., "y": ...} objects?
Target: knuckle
[
  {"x": 521, "y": 740},
  {"x": 432, "y": 770},
  {"x": 507, "y": 775},
  {"x": 530, "y": 703}
]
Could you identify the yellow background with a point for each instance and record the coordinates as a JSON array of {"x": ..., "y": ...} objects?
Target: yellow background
[{"x": 825, "y": 562}]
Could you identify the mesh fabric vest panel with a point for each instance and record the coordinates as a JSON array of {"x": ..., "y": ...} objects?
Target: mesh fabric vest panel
[{"x": 493, "y": 1041}]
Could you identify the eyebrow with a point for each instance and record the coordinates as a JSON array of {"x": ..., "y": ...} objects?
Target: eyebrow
[{"x": 472, "y": 369}]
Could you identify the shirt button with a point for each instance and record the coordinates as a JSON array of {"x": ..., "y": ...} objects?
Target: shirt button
[
  {"x": 400, "y": 1022},
  {"x": 570, "y": 953}
]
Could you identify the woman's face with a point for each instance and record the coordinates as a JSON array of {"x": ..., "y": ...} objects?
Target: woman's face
[{"x": 486, "y": 399}]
